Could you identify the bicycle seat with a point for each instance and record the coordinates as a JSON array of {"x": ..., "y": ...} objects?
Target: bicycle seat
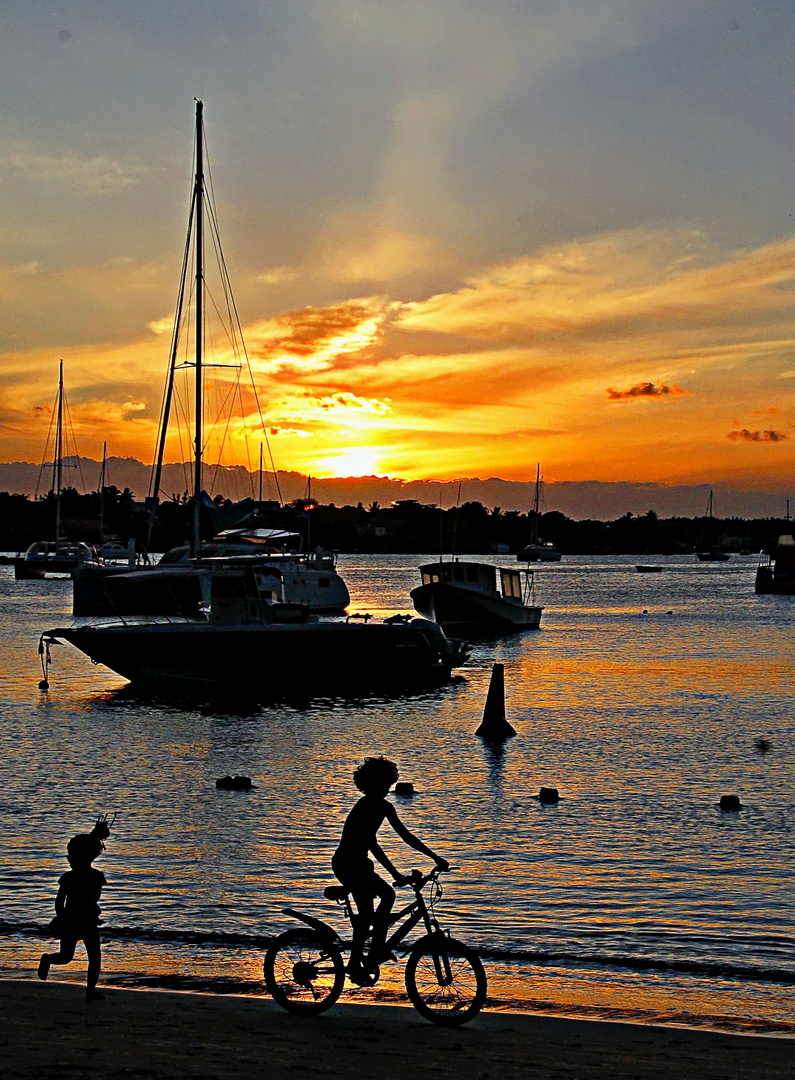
[{"x": 335, "y": 892}]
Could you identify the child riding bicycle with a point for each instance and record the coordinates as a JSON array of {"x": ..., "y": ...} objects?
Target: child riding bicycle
[{"x": 351, "y": 865}]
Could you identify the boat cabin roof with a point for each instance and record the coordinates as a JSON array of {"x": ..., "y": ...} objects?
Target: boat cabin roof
[{"x": 481, "y": 577}]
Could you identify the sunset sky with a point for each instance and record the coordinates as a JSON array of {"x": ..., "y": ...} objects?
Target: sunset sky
[{"x": 463, "y": 237}]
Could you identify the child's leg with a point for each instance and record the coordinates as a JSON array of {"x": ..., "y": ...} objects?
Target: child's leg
[
  {"x": 93, "y": 948},
  {"x": 386, "y": 896},
  {"x": 65, "y": 955},
  {"x": 363, "y": 899}
]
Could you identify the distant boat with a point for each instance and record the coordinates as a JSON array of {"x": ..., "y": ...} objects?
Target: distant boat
[
  {"x": 710, "y": 553},
  {"x": 537, "y": 550},
  {"x": 57, "y": 556},
  {"x": 469, "y": 597},
  {"x": 644, "y": 569},
  {"x": 54, "y": 557},
  {"x": 776, "y": 574}
]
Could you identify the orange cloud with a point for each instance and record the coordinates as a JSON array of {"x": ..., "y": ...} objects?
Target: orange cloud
[
  {"x": 744, "y": 435},
  {"x": 647, "y": 390},
  {"x": 312, "y": 339},
  {"x": 346, "y": 400}
]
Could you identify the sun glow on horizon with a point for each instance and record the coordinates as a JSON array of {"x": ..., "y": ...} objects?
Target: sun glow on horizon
[{"x": 353, "y": 461}]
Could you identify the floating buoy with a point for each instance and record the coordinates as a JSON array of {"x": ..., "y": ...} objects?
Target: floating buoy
[
  {"x": 44, "y": 685},
  {"x": 494, "y": 727},
  {"x": 404, "y": 788},
  {"x": 548, "y": 795},
  {"x": 234, "y": 783},
  {"x": 761, "y": 745},
  {"x": 730, "y": 802}
]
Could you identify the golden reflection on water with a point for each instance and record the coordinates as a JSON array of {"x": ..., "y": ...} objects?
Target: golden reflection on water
[{"x": 641, "y": 721}]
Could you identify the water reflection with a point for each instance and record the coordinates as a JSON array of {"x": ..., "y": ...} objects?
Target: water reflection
[{"x": 641, "y": 721}]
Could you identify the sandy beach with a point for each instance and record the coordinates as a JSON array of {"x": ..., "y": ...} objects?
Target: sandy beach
[{"x": 49, "y": 1030}]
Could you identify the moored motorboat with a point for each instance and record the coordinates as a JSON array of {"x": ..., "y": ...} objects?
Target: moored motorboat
[
  {"x": 54, "y": 557},
  {"x": 250, "y": 645},
  {"x": 176, "y": 583},
  {"x": 469, "y": 598}
]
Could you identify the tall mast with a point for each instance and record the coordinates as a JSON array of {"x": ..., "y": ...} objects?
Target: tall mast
[
  {"x": 199, "y": 218},
  {"x": 260, "y": 472},
  {"x": 58, "y": 470},
  {"x": 102, "y": 495},
  {"x": 536, "y": 502}
]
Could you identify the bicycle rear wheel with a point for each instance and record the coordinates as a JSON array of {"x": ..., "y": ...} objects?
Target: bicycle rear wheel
[
  {"x": 445, "y": 980},
  {"x": 304, "y": 973}
]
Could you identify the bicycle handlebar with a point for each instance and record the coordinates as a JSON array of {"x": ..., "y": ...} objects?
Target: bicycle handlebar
[{"x": 417, "y": 880}]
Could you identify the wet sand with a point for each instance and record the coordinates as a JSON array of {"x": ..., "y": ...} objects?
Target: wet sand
[{"x": 49, "y": 1030}]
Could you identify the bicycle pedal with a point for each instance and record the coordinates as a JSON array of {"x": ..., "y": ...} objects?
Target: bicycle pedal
[{"x": 362, "y": 977}]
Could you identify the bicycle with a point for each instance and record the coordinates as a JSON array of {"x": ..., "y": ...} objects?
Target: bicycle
[{"x": 445, "y": 980}]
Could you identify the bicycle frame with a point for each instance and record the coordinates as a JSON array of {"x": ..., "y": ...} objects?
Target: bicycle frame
[{"x": 414, "y": 913}]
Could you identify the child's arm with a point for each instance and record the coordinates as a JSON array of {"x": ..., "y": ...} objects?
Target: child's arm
[
  {"x": 412, "y": 840},
  {"x": 382, "y": 857},
  {"x": 60, "y": 900}
]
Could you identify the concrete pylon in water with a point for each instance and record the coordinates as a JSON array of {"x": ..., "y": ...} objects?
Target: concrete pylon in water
[{"x": 494, "y": 727}]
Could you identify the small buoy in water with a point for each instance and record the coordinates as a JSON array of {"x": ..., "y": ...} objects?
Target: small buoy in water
[
  {"x": 234, "y": 783},
  {"x": 44, "y": 685},
  {"x": 548, "y": 795},
  {"x": 404, "y": 788},
  {"x": 761, "y": 745},
  {"x": 730, "y": 802},
  {"x": 645, "y": 611}
]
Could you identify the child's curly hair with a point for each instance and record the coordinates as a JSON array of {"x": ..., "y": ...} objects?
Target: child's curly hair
[
  {"x": 375, "y": 772},
  {"x": 85, "y": 847}
]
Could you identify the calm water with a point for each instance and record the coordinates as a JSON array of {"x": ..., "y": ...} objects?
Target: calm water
[{"x": 635, "y": 896}]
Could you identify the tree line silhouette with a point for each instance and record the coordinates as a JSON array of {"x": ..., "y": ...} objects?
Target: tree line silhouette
[{"x": 403, "y": 527}]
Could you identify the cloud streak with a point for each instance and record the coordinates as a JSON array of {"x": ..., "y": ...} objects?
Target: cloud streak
[
  {"x": 647, "y": 390},
  {"x": 744, "y": 435}
]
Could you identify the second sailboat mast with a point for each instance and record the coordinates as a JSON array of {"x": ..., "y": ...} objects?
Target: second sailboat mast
[{"x": 199, "y": 212}]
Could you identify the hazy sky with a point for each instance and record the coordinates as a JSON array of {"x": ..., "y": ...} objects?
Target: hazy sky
[{"x": 463, "y": 237}]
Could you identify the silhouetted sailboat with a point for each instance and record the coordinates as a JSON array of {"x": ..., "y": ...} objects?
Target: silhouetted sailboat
[
  {"x": 251, "y": 640},
  {"x": 57, "y": 556},
  {"x": 536, "y": 550},
  {"x": 707, "y": 551}
]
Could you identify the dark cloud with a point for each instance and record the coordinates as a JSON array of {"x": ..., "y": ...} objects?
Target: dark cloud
[
  {"x": 647, "y": 390},
  {"x": 744, "y": 435}
]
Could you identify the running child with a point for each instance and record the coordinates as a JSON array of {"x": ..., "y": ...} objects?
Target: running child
[
  {"x": 77, "y": 908},
  {"x": 350, "y": 862}
]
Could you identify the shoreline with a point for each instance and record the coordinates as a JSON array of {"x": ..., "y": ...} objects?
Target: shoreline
[
  {"x": 391, "y": 994},
  {"x": 51, "y": 1030}
]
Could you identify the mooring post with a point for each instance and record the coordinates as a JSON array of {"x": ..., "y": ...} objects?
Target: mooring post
[{"x": 494, "y": 727}]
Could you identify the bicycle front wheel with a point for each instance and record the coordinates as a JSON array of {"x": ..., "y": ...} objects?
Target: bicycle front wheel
[
  {"x": 304, "y": 973},
  {"x": 445, "y": 980}
]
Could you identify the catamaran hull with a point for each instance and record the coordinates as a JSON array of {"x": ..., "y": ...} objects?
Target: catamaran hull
[
  {"x": 301, "y": 657},
  {"x": 461, "y": 610}
]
